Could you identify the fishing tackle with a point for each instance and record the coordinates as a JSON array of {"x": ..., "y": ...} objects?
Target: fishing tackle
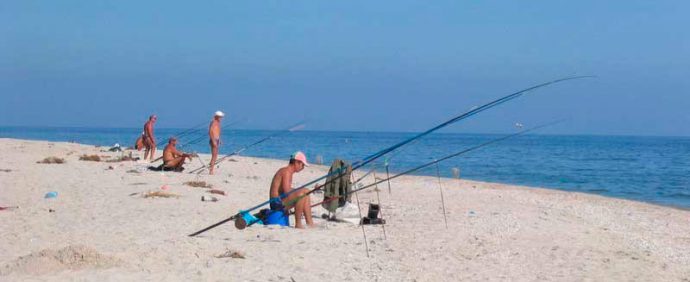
[{"x": 385, "y": 151}]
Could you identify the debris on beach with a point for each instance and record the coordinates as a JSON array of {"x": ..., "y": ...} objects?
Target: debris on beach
[
  {"x": 90, "y": 158},
  {"x": 50, "y": 195},
  {"x": 216, "y": 191},
  {"x": 8, "y": 208},
  {"x": 231, "y": 254},
  {"x": 115, "y": 148},
  {"x": 160, "y": 194},
  {"x": 198, "y": 184},
  {"x": 6, "y": 170},
  {"x": 52, "y": 160},
  {"x": 72, "y": 257},
  {"x": 125, "y": 158},
  {"x": 209, "y": 199}
]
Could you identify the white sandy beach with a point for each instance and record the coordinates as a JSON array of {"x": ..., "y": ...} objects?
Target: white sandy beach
[{"x": 102, "y": 229}]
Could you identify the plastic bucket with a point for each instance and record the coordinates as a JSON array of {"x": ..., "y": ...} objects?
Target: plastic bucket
[{"x": 277, "y": 218}]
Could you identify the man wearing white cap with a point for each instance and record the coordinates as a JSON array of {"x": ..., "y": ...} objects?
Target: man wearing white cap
[
  {"x": 214, "y": 136},
  {"x": 282, "y": 185}
]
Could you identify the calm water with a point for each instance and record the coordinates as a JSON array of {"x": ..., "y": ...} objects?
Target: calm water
[{"x": 652, "y": 169}]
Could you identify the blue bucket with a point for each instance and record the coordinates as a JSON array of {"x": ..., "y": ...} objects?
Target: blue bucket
[{"x": 277, "y": 218}]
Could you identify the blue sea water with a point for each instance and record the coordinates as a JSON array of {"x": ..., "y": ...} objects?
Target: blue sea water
[{"x": 651, "y": 169}]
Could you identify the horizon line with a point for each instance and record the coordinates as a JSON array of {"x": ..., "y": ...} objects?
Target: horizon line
[{"x": 356, "y": 131}]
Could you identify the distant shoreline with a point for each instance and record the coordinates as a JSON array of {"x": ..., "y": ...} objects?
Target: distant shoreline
[{"x": 193, "y": 164}]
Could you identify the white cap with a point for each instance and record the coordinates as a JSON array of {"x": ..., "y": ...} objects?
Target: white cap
[
  {"x": 300, "y": 157},
  {"x": 219, "y": 114}
]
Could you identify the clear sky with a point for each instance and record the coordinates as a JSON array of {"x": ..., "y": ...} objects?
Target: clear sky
[{"x": 347, "y": 65}]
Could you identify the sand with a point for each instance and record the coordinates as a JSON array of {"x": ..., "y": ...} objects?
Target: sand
[{"x": 101, "y": 228}]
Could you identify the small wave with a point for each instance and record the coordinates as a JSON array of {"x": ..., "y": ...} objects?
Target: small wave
[
  {"x": 679, "y": 195},
  {"x": 597, "y": 190}
]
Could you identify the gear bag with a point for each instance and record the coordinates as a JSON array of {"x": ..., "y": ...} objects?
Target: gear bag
[{"x": 337, "y": 186}]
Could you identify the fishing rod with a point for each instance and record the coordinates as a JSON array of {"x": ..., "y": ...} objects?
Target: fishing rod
[
  {"x": 385, "y": 151},
  {"x": 465, "y": 115},
  {"x": 189, "y": 130},
  {"x": 203, "y": 137},
  {"x": 197, "y": 140},
  {"x": 435, "y": 162},
  {"x": 293, "y": 128}
]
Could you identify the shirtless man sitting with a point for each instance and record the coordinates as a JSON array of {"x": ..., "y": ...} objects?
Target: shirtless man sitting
[
  {"x": 172, "y": 158},
  {"x": 282, "y": 185}
]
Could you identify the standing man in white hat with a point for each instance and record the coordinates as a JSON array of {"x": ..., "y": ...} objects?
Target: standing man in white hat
[{"x": 214, "y": 136}]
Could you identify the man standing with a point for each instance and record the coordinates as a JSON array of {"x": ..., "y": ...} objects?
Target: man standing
[
  {"x": 214, "y": 136},
  {"x": 282, "y": 185},
  {"x": 149, "y": 139},
  {"x": 172, "y": 158}
]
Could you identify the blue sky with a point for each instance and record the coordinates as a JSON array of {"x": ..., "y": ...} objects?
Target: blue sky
[{"x": 347, "y": 65}]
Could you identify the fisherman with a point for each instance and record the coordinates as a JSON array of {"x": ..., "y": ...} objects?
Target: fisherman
[
  {"x": 149, "y": 138},
  {"x": 214, "y": 136},
  {"x": 282, "y": 185},
  {"x": 172, "y": 158}
]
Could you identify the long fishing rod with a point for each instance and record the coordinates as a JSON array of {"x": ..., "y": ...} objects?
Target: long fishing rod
[
  {"x": 385, "y": 151},
  {"x": 293, "y": 128},
  {"x": 204, "y": 137},
  {"x": 189, "y": 130},
  {"x": 199, "y": 139},
  {"x": 385, "y": 164},
  {"x": 490, "y": 142},
  {"x": 465, "y": 115}
]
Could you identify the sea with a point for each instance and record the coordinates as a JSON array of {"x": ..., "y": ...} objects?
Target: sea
[{"x": 649, "y": 169}]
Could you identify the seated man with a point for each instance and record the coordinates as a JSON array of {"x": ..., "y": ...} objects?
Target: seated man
[
  {"x": 282, "y": 185},
  {"x": 139, "y": 144},
  {"x": 172, "y": 158}
]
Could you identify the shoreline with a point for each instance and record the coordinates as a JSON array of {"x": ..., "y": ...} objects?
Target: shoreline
[
  {"x": 495, "y": 231},
  {"x": 195, "y": 164}
]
